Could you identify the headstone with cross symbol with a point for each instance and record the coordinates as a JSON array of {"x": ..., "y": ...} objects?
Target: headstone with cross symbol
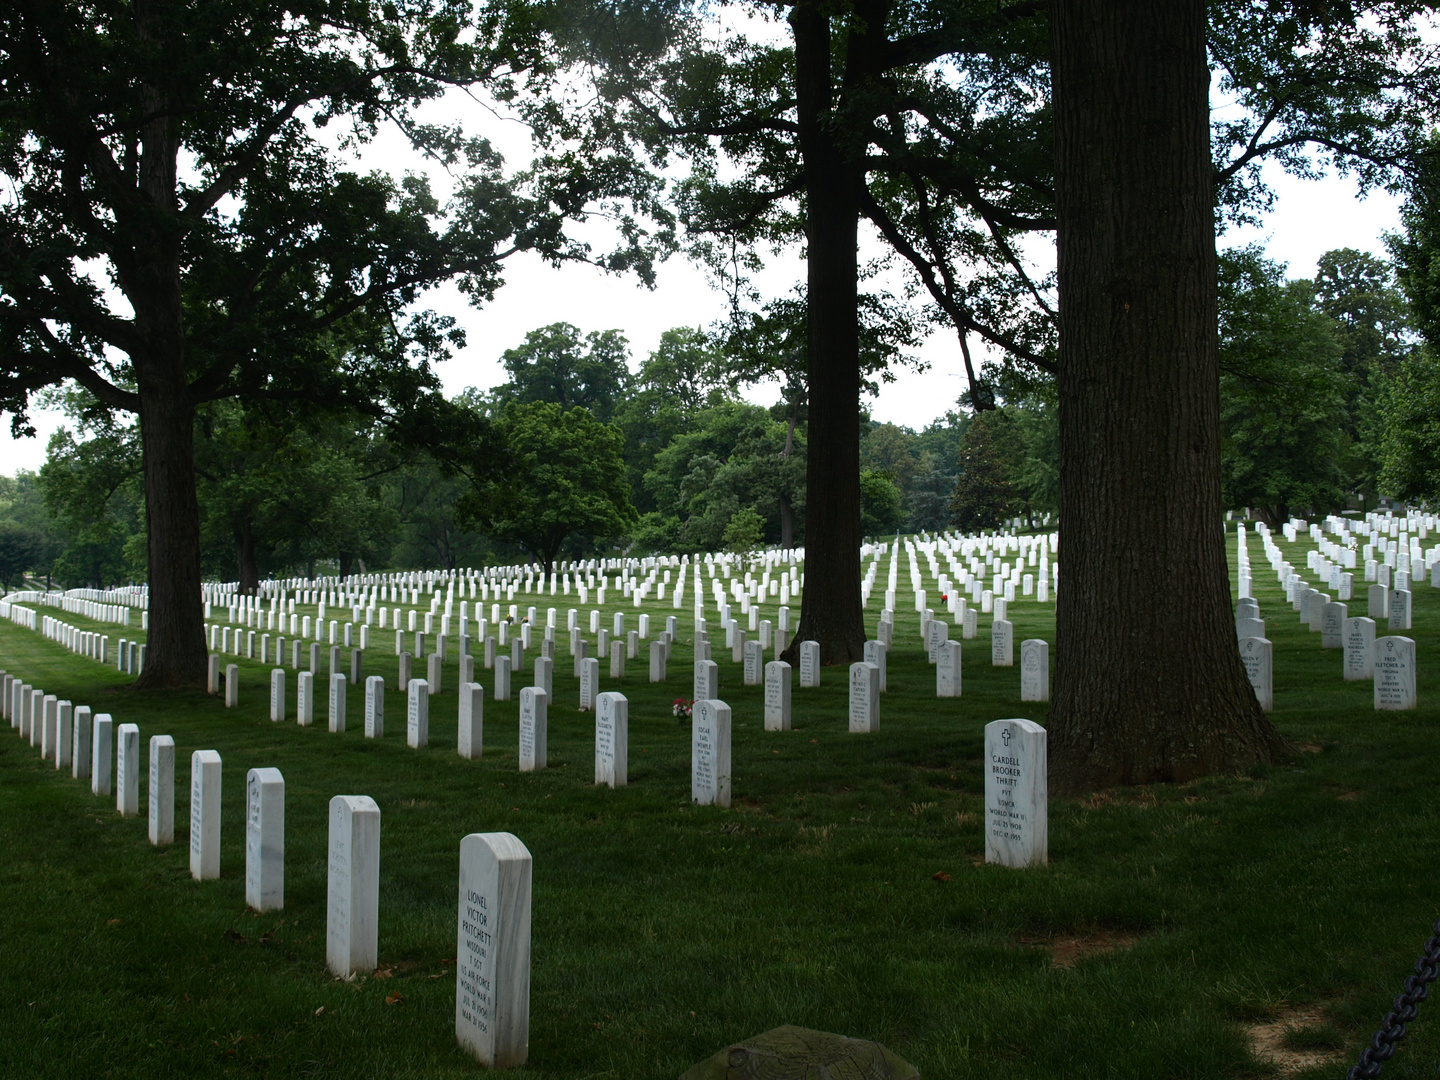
[{"x": 1016, "y": 800}]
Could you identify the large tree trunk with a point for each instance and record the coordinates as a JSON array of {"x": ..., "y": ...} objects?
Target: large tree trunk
[
  {"x": 1149, "y": 684},
  {"x": 831, "y": 612},
  {"x": 175, "y": 653},
  {"x": 245, "y": 556}
]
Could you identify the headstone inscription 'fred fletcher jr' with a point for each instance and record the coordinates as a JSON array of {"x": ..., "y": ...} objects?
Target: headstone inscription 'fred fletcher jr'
[
  {"x": 1016, "y": 807},
  {"x": 492, "y": 950}
]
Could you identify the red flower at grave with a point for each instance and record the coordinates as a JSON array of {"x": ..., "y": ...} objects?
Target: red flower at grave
[{"x": 682, "y": 707}]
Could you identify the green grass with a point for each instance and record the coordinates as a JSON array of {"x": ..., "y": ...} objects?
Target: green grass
[{"x": 663, "y": 931}]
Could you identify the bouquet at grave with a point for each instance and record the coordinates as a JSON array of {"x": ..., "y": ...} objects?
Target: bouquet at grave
[{"x": 682, "y": 708}]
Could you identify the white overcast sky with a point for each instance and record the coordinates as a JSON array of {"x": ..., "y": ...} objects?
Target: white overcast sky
[{"x": 1310, "y": 217}]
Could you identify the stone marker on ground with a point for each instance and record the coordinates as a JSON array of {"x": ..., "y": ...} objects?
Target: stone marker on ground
[
  {"x": 1002, "y": 644},
  {"x": 1359, "y": 648},
  {"x": 864, "y": 697},
  {"x": 796, "y": 1053},
  {"x": 589, "y": 682},
  {"x": 265, "y": 839},
  {"x": 492, "y": 950},
  {"x": 710, "y": 753},
  {"x": 657, "y": 661},
  {"x": 205, "y": 815},
  {"x": 707, "y": 680},
  {"x": 877, "y": 652},
  {"x": 127, "y": 770},
  {"x": 434, "y": 669},
  {"x": 84, "y": 731},
  {"x": 1034, "y": 670},
  {"x": 1379, "y": 602},
  {"x": 470, "y": 740},
  {"x": 502, "y": 678},
  {"x": 277, "y": 694},
  {"x": 612, "y": 739},
  {"x": 337, "y": 703},
  {"x": 1399, "y": 613},
  {"x": 754, "y": 670},
  {"x": 534, "y": 720},
  {"x": 1258, "y": 656},
  {"x": 417, "y": 715},
  {"x": 777, "y": 696},
  {"x": 1016, "y": 806},
  {"x": 162, "y": 790},
  {"x": 50, "y": 726},
  {"x": 947, "y": 669},
  {"x": 102, "y": 740},
  {"x": 1332, "y": 626},
  {"x": 617, "y": 659},
  {"x": 1394, "y": 659},
  {"x": 809, "y": 664},
  {"x": 304, "y": 699},
  {"x": 352, "y": 905},
  {"x": 374, "y": 707}
]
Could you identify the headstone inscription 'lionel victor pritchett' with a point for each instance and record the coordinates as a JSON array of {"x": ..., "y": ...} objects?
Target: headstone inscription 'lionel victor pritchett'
[
  {"x": 1016, "y": 806},
  {"x": 492, "y": 950}
]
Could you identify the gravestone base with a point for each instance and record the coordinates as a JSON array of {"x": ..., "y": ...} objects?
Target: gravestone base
[{"x": 790, "y": 1051}]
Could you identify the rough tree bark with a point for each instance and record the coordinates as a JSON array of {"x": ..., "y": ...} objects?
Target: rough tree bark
[
  {"x": 831, "y": 612},
  {"x": 1149, "y": 684}
]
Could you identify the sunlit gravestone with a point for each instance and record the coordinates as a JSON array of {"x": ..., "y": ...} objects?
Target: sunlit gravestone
[
  {"x": 777, "y": 696},
  {"x": 710, "y": 753},
  {"x": 492, "y": 950},
  {"x": 612, "y": 739},
  {"x": 1394, "y": 661},
  {"x": 1257, "y": 655},
  {"x": 353, "y": 889},
  {"x": 1359, "y": 648},
  {"x": 265, "y": 839},
  {"x": 1016, "y": 795}
]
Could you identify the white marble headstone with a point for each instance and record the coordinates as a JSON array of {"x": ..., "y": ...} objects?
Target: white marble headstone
[
  {"x": 265, "y": 839},
  {"x": 102, "y": 740},
  {"x": 353, "y": 893},
  {"x": 84, "y": 733},
  {"x": 707, "y": 680},
  {"x": 337, "y": 702},
  {"x": 864, "y": 697},
  {"x": 127, "y": 770},
  {"x": 162, "y": 789},
  {"x": 1394, "y": 659},
  {"x": 1359, "y": 648},
  {"x": 305, "y": 699},
  {"x": 502, "y": 678},
  {"x": 754, "y": 671},
  {"x": 612, "y": 739},
  {"x": 947, "y": 669},
  {"x": 809, "y": 664},
  {"x": 534, "y": 723},
  {"x": 1399, "y": 614},
  {"x": 492, "y": 949},
  {"x": 375, "y": 707},
  {"x": 277, "y": 694},
  {"x": 1258, "y": 658},
  {"x": 417, "y": 715},
  {"x": 1034, "y": 670},
  {"x": 1002, "y": 644},
  {"x": 777, "y": 696},
  {"x": 205, "y": 815},
  {"x": 876, "y": 652},
  {"x": 710, "y": 753},
  {"x": 1332, "y": 625},
  {"x": 1016, "y": 794},
  {"x": 470, "y": 740}
]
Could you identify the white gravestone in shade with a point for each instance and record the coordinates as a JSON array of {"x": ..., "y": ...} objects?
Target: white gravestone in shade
[
  {"x": 205, "y": 815},
  {"x": 232, "y": 686},
  {"x": 612, "y": 740},
  {"x": 1379, "y": 602},
  {"x": 417, "y": 715},
  {"x": 305, "y": 699},
  {"x": 470, "y": 740},
  {"x": 777, "y": 696},
  {"x": 947, "y": 669},
  {"x": 1394, "y": 659},
  {"x": 127, "y": 770},
  {"x": 1016, "y": 797},
  {"x": 502, "y": 678},
  {"x": 1034, "y": 670},
  {"x": 375, "y": 707},
  {"x": 84, "y": 731},
  {"x": 617, "y": 659},
  {"x": 971, "y": 629},
  {"x": 352, "y": 922},
  {"x": 63, "y": 711},
  {"x": 337, "y": 703},
  {"x": 50, "y": 726},
  {"x": 534, "y": 725},
  {"x": 1257, "y": 654},
  {"x": 265, "y": 839},
  {"x": 1399, "y": 614},
  {"x": 162, "y": 790},
  {"x": 707, "y": 680},
  {"x": 434, "y": 670},
  {"x": 102, "y": 744},
  {"x": 936, "y": 632},
  {"x": 404, "y": 672},
  {"x": 754, "y": 670},
  {"x": 1359, "y": 648},
  {"x": 544, "y": 675},
  {"x": 657, "y": 661},
  {"x": 876, "y": 653},
  {"x": 277, "y": 694},
  {"x": 809, "y": 664},
  {"x": 492, "y": 949},
  {"x": 1332, "y": 626},
  {"x": 589, "y": 682},
  {"x": 710, "y": 753},
  {"x": 1002, "y": 644},
  {"x": 864, "y": 697}
]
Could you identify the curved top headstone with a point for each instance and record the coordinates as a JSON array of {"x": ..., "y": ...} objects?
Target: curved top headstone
[{"x": 796, "y": 1053}]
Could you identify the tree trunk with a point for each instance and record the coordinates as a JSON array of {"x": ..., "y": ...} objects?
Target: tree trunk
[
  {"x": 787, "y": 523},
  {"x": 245, "y": 556},
  {"x": 831, "y": 612},
  {"x": 1149, "y": 684},
  {"x": 175, "y": 653}
]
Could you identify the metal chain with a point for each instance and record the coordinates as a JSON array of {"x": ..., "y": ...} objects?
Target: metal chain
[{"x": 1407, "y": 1007}]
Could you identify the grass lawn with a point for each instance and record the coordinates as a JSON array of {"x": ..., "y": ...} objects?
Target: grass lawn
[{"x": 1170, "y": 922}]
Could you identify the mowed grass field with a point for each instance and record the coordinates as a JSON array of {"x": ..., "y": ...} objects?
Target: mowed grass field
[{"x": 1171, "y": 922}]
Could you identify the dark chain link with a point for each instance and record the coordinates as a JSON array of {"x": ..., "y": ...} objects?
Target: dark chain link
[{"x": 1407, "y": 1007}]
